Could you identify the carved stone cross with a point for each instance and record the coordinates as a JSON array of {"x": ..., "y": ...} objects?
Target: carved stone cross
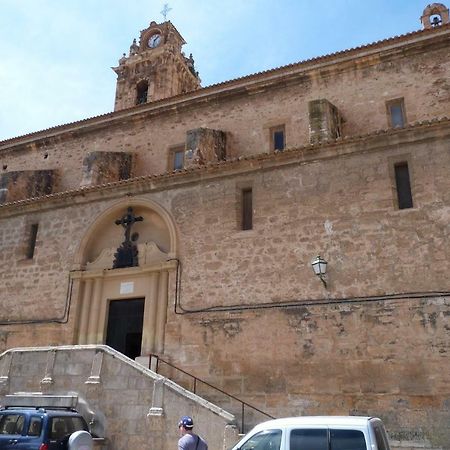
[
  {"x": 127, "y": 254},
  {"x": 127, "y": 222}
]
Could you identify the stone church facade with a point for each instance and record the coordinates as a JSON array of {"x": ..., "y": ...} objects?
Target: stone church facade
[{"x": 184, "y": 225}]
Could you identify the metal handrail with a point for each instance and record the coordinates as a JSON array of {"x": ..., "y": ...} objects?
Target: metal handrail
[{"x": 196, "y": 379}]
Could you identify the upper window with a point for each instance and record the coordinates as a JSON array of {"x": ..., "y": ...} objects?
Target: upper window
[
  {"x": 396, "y": 113},
  {"x": 278, "y": 138},
  {"x": 176, "y": 158},
  {"x": 141, "y": 92},
  {"x": 265, "y": 440}
]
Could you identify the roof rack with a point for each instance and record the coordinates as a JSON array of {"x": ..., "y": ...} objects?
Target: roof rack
[
  {"x": 37, "y": 400},
  {"x": 42, "y": 409}
]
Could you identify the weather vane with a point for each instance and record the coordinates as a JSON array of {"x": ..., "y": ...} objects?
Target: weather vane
[{"x": 165, "y": 11}]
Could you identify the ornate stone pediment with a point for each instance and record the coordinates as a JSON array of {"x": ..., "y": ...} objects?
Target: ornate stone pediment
[{"x": 149, "y": 254}]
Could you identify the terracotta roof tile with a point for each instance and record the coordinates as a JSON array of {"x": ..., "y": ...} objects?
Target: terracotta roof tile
[{"x": 200, "y": 169}]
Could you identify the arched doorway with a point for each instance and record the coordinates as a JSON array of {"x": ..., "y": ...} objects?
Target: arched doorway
[{"x": 125, "y": 306}]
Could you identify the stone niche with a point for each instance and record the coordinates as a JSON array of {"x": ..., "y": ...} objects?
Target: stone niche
[
  {"x": 204, "y": 145},
  {"x": 325, "y": 121},
  {"x": 25, "y": 184},
  {"x": 106, "y": 167}
]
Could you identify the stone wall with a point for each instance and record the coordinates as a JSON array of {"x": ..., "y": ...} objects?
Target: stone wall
[{"x": 386, "y": 356}]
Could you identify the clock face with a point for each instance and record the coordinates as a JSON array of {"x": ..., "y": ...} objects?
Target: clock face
[{"x": 154, "y": 40}]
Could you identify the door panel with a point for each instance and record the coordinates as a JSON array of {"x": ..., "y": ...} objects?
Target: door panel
[{"x": 125, "y": 320}]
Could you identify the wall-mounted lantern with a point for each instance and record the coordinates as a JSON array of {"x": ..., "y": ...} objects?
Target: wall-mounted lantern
[{"x": 319, "y": 266}]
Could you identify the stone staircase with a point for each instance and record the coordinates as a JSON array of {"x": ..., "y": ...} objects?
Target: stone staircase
[{"x": 126, "y": 404}]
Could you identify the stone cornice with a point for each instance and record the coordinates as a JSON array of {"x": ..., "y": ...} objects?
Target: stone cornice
[
  {"x": 241, "y": 86},
  {"x": 382, "y": 140}
]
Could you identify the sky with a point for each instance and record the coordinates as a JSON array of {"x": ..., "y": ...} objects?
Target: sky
[{"x": 56, "y": 55}]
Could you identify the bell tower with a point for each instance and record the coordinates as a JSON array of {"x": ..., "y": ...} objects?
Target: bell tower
[{"x": 155, "y": 68}]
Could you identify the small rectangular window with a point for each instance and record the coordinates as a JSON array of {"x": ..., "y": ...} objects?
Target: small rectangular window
[
  {"x": 176, "y": 158},
  {"x": 396, "y": 112},
  {"x": 278, "y": 138},
  {"x": 32, "y": 241},
  {"x": 403, "y": 185},
  {"x": 247, "y": 209}
]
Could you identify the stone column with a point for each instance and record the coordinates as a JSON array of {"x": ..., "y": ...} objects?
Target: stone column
[
  {"x": 84, "y": 314},
  {"x": 161, "y": 311},
  {"x": 149, "y": 325},
  {"x": 93, "y": 327}
]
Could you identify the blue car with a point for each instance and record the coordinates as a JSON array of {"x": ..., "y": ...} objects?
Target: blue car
[{"x": 38, "y": 428}]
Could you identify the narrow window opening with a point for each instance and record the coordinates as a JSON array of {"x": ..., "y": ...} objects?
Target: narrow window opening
[
  {"x": 278, "y": 138},
  {"x": 247, "y": 209},
  {"x": 403, "y": 184},
  {"x": 141, "y": 92},
  {"x": 396, "y": 112},
  {"x": 178, "y": 159},
  {"x": 32, "y": 241}
]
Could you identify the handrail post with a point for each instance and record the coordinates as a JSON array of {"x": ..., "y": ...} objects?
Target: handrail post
[{"x": 242, "y": 418}]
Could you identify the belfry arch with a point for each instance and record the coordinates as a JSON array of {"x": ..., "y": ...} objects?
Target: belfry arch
[{"x": 104, "y": 292}]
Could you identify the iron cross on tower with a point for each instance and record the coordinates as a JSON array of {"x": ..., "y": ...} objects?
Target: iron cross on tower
[{"x": 165, "y": 11}]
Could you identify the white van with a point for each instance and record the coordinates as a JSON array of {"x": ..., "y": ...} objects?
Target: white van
[{"x": 317, "y": 433}]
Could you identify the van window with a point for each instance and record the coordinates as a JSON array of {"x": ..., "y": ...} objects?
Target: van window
[
  {"x": 309, "y": 439},
  {"x": 265, "y": 440},
  {"x": 63, "y": 426},
  {"x": 347, "y": 440},
  {"x": 11, "y": 423},
  {"x": 35, "y": 427},
  {"x": 380, "y": 437}
]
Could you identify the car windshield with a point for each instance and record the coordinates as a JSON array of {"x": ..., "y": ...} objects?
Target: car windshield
[{"x": 265, "y": 440}]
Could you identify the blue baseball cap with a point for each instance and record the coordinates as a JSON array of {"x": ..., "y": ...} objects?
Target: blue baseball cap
[{"x": 186, "y": 422}]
